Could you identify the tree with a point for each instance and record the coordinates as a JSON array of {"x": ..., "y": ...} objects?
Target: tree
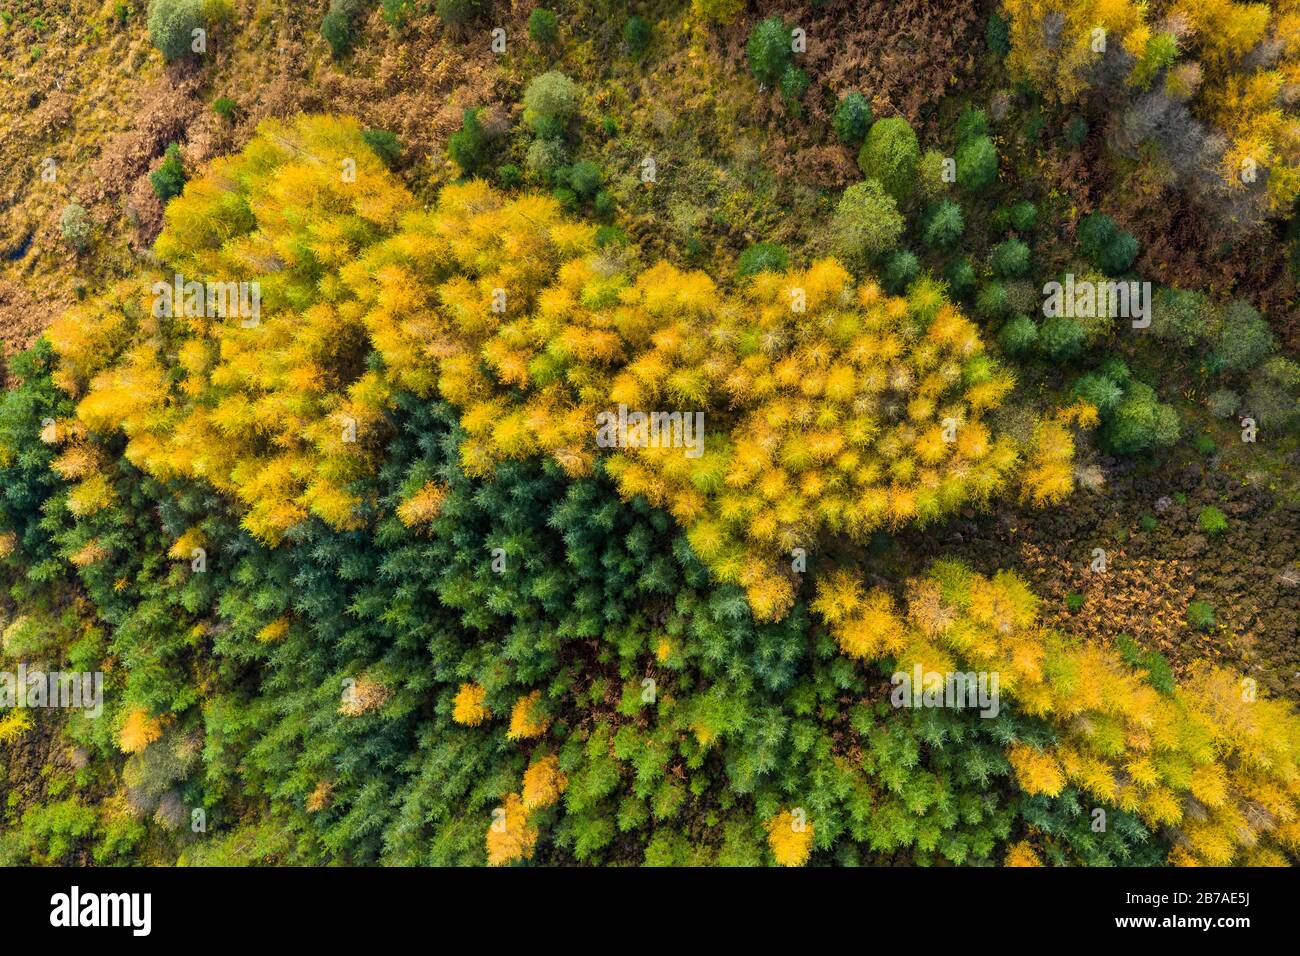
[
  {"x": 74, "y": 225},
  {"x": 1106, "y": 246},
  {"x": 543, "y": 27},
  {"x": 890, "y": 155},
  {"x": 467, "y": 147},
  {"x": 550, "y": 97},
  {"x": 867, "y": 221},
  {"x": 852, "y": 119},
  {"x": 977, "y": 165},
  {"x": 636, "y": 35},
  {"x": 768, "y": 50},
  {"x": 172, "y": 24},
  {"x": 169, "y": 179}
]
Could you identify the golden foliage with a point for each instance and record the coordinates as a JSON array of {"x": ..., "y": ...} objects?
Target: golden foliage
[
  {"x": 138, "y": 731},
  {"x": 1022, "y": 854},
  {"x": 1211, "y": 762},
  {"x": 528, "y": 718},
  {"x": 14, "y": 724},
  {"x": 790, "y": 838},
  {"x": 423, "y": 506},
  {"x": 468, "y": 707},
  {"x": 509, "y": 837},
  {"x": 544, "y": 782}
]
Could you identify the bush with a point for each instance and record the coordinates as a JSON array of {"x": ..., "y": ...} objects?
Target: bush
[
  {"x": 901, "y": 268},
  {"x": 1061, "y": 339},
  {"x": 74, "y": 224},
  {"x": 1105, "y": 245},
  {"x": 336, "y": 28},
  {"x": 1023, "y": 216},
  {"x": 585, "y": 179},
  {"x": 719, "y": 11},
  {"x": 545, "y": 157},
  {"x": 550, "y": 97},
  {"x": 225, "y": 107},
  {"x": 1018, "y": 335},
  {"x": 852, "y": 119},
  {"x": 168, "y": 179},
  {"x": 1140, "y": 422},
  {"x": 944, "y": 225},
  {"x": 467, "y": 147},
  {"x": 890, "y": 155},
  {"x": 1200, "y": 615},
  {"x": 1100, "y": 391},
  {"x": 762, "y": 257},
  {"x": 383, "y": 144},
  {"x": 543, "y": 27},
  {"x": 457, "y": 13},
  {"x": 993, "y": 301},
  {"x": 1076, "y": 132},
  {"x": 510, "y": 176},
  {"x": 1212, "y": 520},
  {"x": 636, "y": 35},
  {"x": 397, "y": 12},
  {"x": 1273, "y": 396},
  {"x": 971, "y": 123},
  {"x": 960, "y": 276},
  {"x": 1223, "y": 403},
  {"x": 604, "y": 206},
  {"x": 867, "y": 222},
  {"x": 977, "y": 164},
  {"x": 1241, "y": 340},
  {"x": 998, "y": 35},
  {"x": 1180, "y": 317},
  {"x": 172, "y": 24},
  {"x": 1010, "y": 259},
  {"x": 794, "y": 83},
  {"x": 768, "y": 50}
]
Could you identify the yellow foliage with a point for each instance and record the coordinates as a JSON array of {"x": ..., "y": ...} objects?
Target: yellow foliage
[
  {"x": 138, "y": 731},
  {"x": 14, "y": 724},
  {"x": 544, "y": 782},
  {"x": 527, "y": 719},
  {"x": 1022, "y": 854},
  {"x": 790, "y": 837},
  {"x": 468, "y": 707},
  {"x": 509, "y": 837},
  {"x": 423, "y": 506}
]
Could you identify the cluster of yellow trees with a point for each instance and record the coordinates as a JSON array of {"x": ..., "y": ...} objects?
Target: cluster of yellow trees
[
  {"x": 1238, "y": 62},
  {"x": 827, "y": 406},
  {"x": 1213, "y": 763}
]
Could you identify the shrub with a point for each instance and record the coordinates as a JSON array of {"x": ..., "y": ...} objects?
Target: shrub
[
  {"x": 1074, "y": 602},
  {"x": 768, "y": 50},
  {"x": 719, "y": 11},
  {"x": 890, "y": 155},
  {"x": 543, "y": 27},
  {"x": 977, "y": 164},
  {"x": 172, "y": 24},
  {"x": 1200, "y": 615},
  {"x": 1018, "y": 335},
  {"x": 603, "y": 205},
  {"x": 901, "y": 268},
  {"x": 1212, "y": 520},
  {"x": 1223, "y": 403},
  {"x": 1140, "y": 422},
  {"x": 383, "y": 144},
  {"x": 960, "y": 276},
  {"x": 1242, "y": 338},
  {"x": 168, "y": 179},
  {"x": 794, "y": 83},
  {"x": 224, "y": 107},
  {"x": 636, "y": 35},
  {"x": 457, "y": 13},
  {"x": 1105, "y": 245},
  {"x": 510, "y": 176},
  {"x": 74, "y": 224},
  {"x": 762, "y": 257},
  {"x": 971, "y": 123},
  {"x": 397, "y": 12},
  {"x": 550, "y": 97},
  {"x": 336, "y": 28},
  {"x": 1023, "y": 216},
  {"x": 930, "y": 171},
  {"x": 1181, "y": 317},
  {"x": 1100, "y": 391},
  {"x": 545, "y": 157},
  {"x": 1010, "y": 259},
  {"x": 998, "y": 35},
  {"x": 1061, "y": 338},
  {"x": 1076, "y": 131},
  {"x": 993, "y": 300},
  {"x": 467, "y": 147},
  {"x": 584, "y": 178},
  {"x": 944, "y": 225},
  {"x": 852, "y": 119},
  {"x": 1274, "y": 395},
  {"x": 867, "y": 222}
]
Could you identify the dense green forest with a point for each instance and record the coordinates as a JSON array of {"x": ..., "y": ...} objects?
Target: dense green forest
[{"x": 610, "y": 438}]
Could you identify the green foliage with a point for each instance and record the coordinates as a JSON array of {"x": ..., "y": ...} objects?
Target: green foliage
[
  {"x": 74, "y": 226},
  {"x": 1018, "y": 335},
  {"x": 385, "y": 145},
  {"x": 1076, "y": 131},
  {"x": 1212, "y": 520},
  {"x": 944, "y": 226},
  {"x": 584, "y": 179},
  {"x": 890, "y": 155},
  {"x": 509, "y": 176},
  {"x": 457, "y": 13},
  {"x": 762, "y": 257},
  {"x": 1181, "y": 317},
  {"x": 1010, "y": 259},
  {"x": 977, "y": 164},
  {"x": 1061, "y": 339},
  {"x": 852, "y": 118},
  {"x": 901, "y": 267},
  {"x": 397, "y": 12},
  {"x": 997, "y": 34},
  {"x": 1200, "y": 615},
  {"x": 172, "y": 23},
  {"x": 225, "y": 107},
  {"x": 467, "y": 147},
  {"x": 1242, "y": 338},
  {"x": 971, "y": 124},
  {"x": 1105, "y": 245},
  {"x": 794, "y": 83},
  {"x": 550, "y": 97},
  {"x": 1139, "y": 422},
  {"x": 636, "y": 35},
  {"x": 543, "y": 27},
  {"x": 867, "y": 222},
  {"x": 169, "y": 179},
  {"x": 1023, "y": 216},
  {"x": 768, "y": 50},
  {"x": 1274, "y": 393},
  {"x": 960, "y": 276}
]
